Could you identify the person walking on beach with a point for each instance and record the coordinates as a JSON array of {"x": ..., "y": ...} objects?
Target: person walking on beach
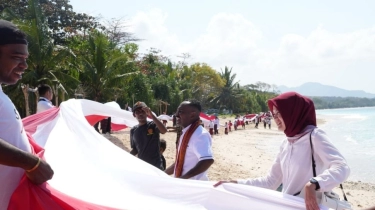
[
  {"x": 45, "y": 97},
  {"x": 194, "y": 150},
  {"x": 269, "y": 122},
  {"x": 145, "y": 137},
  {"x": 226, "y": 128},
  {"x": 265, "y": 122},
  {"x": 295, "y": 115},
  {"x": 211, "y": 128},
  {"x": 16, "y": 158},
  {"x": 216, "y": 125}
]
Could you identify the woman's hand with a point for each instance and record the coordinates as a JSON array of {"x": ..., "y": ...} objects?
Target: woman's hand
[
  {"x": 310, "y": 197},
  {"x": 222, "y": 182}
]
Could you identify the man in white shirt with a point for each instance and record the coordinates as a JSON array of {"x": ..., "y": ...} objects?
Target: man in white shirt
[
  {"x": 216, "y": 125},
  {"x": 15, "y": 156},
  {"x": 194, "y": 153},
  {"x": 45, "y": 97}
]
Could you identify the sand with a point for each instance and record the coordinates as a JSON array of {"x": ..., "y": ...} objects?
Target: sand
[{"x": 245, "y": 154}]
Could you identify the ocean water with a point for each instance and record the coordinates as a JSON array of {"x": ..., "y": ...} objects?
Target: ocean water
[{"x": 352, "y": 131}]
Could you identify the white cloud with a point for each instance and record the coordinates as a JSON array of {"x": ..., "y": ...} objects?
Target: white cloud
[{"x": 234, "y": 41}]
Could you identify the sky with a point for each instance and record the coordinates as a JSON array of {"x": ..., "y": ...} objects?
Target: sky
[{"x": 288, "y": 42}]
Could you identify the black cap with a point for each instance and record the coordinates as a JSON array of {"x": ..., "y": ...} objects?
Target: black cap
[
  {"x": 138, "y": 105},
  {"x": 10, "y": 34}
]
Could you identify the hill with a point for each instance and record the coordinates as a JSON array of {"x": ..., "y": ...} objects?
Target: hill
[{"x": 317, "y": 89}]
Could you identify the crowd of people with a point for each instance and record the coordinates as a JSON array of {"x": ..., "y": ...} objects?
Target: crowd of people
[{"x": 293, "y": 114}]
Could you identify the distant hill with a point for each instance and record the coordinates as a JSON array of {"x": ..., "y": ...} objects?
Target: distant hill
[{"x": 317, "y": 89}]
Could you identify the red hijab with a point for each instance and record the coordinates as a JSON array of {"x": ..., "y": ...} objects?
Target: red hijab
[{"x": 296, "y": 110}]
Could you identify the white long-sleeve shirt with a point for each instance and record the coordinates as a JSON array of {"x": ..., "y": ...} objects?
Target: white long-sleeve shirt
[{"x": 293, "y": 167}]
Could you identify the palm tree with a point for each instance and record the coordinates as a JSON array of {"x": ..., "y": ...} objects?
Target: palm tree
[
  {"x": 104, "y": 67},
  {"x": 230, "y": 92}
]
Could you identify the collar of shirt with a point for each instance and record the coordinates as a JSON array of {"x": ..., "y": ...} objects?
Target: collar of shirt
[
  {"x": 185, "y": 129},
  {"x": 1, "y": 89},
  {"x": 45, "y": 99}
]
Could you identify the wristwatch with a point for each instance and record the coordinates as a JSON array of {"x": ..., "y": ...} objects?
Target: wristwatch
[{"x": 313, "y": 181}]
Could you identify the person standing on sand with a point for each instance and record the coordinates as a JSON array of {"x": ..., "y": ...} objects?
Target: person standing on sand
[
  {"x": 194, "y": 150},
  {"x": 211, "y": 128},
  {"x": 295, "y": 115},
  {"x": 145, "y": 137},
  {"x": 216, "y": 125},
  {"x": 269, "y": 122},
  {"x": 15, "y": 150},
  {"x": 226, "y": 128}
]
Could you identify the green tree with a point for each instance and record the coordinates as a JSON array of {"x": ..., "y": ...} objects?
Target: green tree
[
  {"x": 103, "y": 67},
  {"x": 62, "y": 21},
  {"x": 230, "y": 92}
]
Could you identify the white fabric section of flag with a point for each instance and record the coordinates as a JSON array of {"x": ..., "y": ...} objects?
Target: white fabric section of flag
[
  {"x": 165, "y": 117},
  {"x": 119, "y": 120},
  {"x": 89, "y": 167}
]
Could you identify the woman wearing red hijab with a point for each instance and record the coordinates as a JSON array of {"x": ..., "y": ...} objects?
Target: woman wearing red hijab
[{"x": 295, "y": 115}]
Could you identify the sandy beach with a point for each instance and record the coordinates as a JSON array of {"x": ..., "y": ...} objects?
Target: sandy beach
[{"x": 244, "y": 154}]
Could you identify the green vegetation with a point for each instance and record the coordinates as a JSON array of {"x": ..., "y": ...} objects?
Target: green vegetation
[
  {"x": 340, "y": 102},
  {"x": 80, "y": 58}
]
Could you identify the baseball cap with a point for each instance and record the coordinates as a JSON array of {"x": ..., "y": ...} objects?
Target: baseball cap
[
  {"x": 10, "y": 34},
  {"x": 138, "y": 105}
]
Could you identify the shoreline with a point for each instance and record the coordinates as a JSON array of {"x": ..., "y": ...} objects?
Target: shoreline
[{"x": 247, "y": 154}]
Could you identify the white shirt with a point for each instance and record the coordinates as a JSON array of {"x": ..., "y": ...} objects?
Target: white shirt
[
  {"x": 12, "y": 131},
  {"x": 293, "y": 168},
  {"x": 211, "y": 125},
  {"x": 43, "y": 105},
  {"x": 199, "y": 148}
]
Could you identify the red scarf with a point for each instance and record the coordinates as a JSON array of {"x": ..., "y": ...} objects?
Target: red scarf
[
  {"x": 296, "y": 110},
  {"x": 180, "y": 154}
]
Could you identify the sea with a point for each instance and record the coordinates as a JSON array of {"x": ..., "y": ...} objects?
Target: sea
[{"x": 352, "y": 131}]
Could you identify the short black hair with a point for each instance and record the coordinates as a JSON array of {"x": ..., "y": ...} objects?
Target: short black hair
[
  {"x": 163, "y": 144},
  {"x": 11, "y": 34},
  {"x": 43, "y": 89},
  {"x": 195, "y": 104}
]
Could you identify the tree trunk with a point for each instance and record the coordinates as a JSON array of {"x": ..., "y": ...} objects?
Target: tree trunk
[
  {"x": 25, "y": 90},
  {"x": 56, "y": 93},
  {"x": 36, "y": 98}
]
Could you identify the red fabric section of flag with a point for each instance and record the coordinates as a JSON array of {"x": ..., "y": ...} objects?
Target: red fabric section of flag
[
  {"x": 29, "y": 196},
  {"x": 203, "y": 115},
  {"x": 93, "y": 119},
  {"x": 117, "y": 127}
]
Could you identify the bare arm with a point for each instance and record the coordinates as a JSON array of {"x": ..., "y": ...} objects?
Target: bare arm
[
  {"x": 12, "y": 156},
  {"x": 170, "y": 169},
  {"x": 158, "y": 123},
  {"x": 201, "y": 167}
]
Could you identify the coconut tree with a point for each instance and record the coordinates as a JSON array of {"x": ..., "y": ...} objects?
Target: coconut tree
[
  {"x": 230, "y": 92},
  {"x": 103, "y": 67}
]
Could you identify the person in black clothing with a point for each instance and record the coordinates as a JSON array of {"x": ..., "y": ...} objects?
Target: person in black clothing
[
  {"x": 145, "y": 137},
  {"x": 163, "y": 146}
]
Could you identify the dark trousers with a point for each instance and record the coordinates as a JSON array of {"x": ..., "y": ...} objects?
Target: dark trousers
[{"x": 215, "y": 129}]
